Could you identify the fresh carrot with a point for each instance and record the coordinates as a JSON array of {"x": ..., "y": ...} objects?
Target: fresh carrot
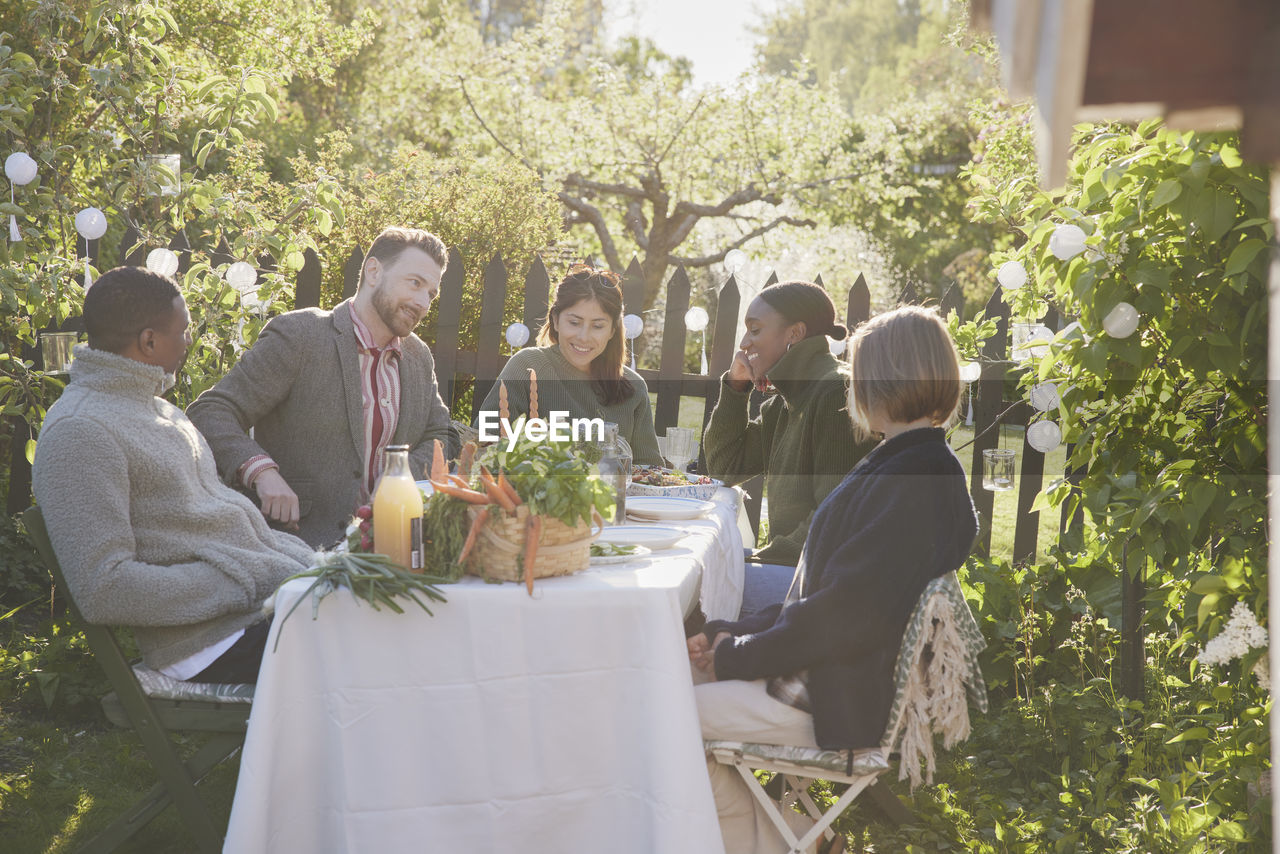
[
  {"x": 506, "y": 486},
  {"x": 439, "y": 470},
  {"x": 533, "y": 393},
  {"x": 481, "y": 517},
  {"x": 468, "y": 456},
  {"x": 496, "y": 493},
  {"x": 532, "y": 533},
  {"x": 458, "y": 480},
  {"x": 468, "y": 495}
]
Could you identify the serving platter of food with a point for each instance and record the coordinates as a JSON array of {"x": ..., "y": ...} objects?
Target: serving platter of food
[{"x": 661, "y": 481}]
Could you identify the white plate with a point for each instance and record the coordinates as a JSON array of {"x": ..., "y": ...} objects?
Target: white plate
[
  {"x": 605, "y": 560},
  {"x": 654, "y": 537},
  {"x": 666, "y": 508}
]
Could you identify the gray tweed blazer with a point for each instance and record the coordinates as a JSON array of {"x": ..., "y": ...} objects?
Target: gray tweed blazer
[{"x": 298, "y": 387}]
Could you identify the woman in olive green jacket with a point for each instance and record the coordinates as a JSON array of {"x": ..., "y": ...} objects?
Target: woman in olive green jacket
[{"x": 802, "y": 440}]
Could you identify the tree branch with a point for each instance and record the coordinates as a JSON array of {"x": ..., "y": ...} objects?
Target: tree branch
[
  {"x": 588, "y": 213},
  {"x": 680, "y": 130},
  {"x": 708, "y": 260},
  {"x": 731, "y": 201},
  {"x": 575, "y": 179},
  {"x": 462, "y": 81}
]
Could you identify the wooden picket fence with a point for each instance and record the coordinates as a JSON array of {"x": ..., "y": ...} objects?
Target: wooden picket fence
[{"x": 670, "y": 382}]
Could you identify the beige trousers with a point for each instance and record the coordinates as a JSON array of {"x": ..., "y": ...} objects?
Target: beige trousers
[{"x": 744, "y": 711}]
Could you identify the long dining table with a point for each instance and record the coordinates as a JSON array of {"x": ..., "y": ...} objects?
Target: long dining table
[{"x": 562, "y": 722}]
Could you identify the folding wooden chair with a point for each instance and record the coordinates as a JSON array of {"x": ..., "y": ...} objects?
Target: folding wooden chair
[
  {"x": 935, "y": 675},
  {"x": 165, "y": 705}
]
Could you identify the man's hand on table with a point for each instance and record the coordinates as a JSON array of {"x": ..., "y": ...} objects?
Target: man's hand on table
[
  {"x": 279, "y": 502},
  {"x": 702, "y": 653}
]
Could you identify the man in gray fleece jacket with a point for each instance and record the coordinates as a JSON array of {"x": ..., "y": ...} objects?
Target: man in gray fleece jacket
[{"x": 146, "y": 533}]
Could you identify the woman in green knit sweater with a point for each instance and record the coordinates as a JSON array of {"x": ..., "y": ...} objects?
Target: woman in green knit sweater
[
  {"x": 581, "y": 364},
  {"x": 802, "y": 440}
]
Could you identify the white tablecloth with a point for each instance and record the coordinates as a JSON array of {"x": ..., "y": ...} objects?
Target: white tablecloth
[
  {"x": 560, "y": 724},
  {"x": 716, "y": 541}
]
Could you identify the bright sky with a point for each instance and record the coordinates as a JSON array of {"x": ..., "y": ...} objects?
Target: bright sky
[{"x": 711, "y": 33}]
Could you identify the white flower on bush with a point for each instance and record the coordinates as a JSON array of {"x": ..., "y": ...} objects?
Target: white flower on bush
[{"x": 1241, "y": 634}]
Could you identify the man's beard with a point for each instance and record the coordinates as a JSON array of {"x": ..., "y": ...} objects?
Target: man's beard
[{"x": 400, "y": 322}]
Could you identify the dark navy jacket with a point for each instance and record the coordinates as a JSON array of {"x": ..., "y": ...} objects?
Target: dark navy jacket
[{"x": 901, "y": 518}]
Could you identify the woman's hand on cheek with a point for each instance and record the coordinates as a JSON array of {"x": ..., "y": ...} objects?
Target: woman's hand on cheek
[{"x": 741, "y": 376}]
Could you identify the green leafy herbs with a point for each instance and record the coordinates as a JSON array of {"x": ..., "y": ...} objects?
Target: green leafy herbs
[
  {"x": 612, "y": 549},
  {"x": 551, "y": 478},
  {"x": 445, "y": 524},
  {"x": 371, "y": 577}
]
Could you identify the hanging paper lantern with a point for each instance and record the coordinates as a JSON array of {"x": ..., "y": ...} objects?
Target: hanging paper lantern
[
  {"x": 970, "y": 372},
  {"x": 91, "y": 224},
  {"x": 162, "y": 262},
  {"x": 735, "y": 260},
  {"x": 1121, "y": 321},
  {"x": 517, "y": 335},
  {"x": 1044, "y": 396},
  {"x": 1011, "y": 275},
  {"x": 1044, "y": 436},
  {"x": 21, "y": 170},
  {"x": 1066, "y": 242},
  {"x": 632, "y": 325},
  {"x": 242, "y": 277},
  {"x": 696, "y": 319},
  {"x": 837, "y": 346}
]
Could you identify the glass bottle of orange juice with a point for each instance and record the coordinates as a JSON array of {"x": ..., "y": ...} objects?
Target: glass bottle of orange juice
[{"x": 397, "y": 511}]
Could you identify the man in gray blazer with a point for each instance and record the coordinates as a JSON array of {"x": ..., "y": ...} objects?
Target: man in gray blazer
[{"x": 325, "y": 391}]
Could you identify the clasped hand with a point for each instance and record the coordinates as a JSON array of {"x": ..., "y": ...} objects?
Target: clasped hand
[
  {"x": 279, "y": 502},
  {"x": 702, "y": 653}
]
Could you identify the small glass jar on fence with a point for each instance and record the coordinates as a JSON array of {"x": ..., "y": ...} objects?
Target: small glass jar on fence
[{"x": 997, "y": 469}]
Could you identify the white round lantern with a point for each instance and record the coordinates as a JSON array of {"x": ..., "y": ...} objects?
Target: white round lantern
[
  {"x": 91, "y": 223},
  {"x": 696, "y": 319},
  {"x": 836, "y": 345},
  {"x": 970, "y": 372},
  {"x": 1121, "y": 321},
  {"x": 517, "y": 335},
  {"x": 1044, "y": 396},
  {"x": 1044, "y": 436},
  {"x": 632, "y": 326},
  {"x": 1066, "y": 242},
  {"x": 242, "y": 277},
  {"x": 1011, "y": 275},
  {"x": 735, "y": 260},
  {"x": 162, "y": 262},
  {"x": 20, "y": 168}
]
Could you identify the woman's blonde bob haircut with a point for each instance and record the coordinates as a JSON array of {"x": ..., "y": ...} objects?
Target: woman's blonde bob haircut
[{"x": 904, "y": 368}]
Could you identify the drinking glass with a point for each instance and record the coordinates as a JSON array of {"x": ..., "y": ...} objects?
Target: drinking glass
[
  {"x": 662, "y": 448},
  {"x": 681, "y": 446},
  {"x": 997, "y": 469}
]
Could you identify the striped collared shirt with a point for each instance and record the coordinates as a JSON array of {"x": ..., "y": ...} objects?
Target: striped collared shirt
[{"x": 379, "y": 396}]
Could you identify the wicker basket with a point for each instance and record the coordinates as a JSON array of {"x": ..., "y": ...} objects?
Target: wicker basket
[{"x": 499, "y": 548}]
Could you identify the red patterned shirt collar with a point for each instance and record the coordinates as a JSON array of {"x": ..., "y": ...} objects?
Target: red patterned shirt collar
[{"x": 365, "y": 338}]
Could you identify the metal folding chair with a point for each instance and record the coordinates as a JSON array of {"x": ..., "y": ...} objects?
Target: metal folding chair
[
  {"x": 935, "y": 675},
  {"x": 222, "y": 711}
]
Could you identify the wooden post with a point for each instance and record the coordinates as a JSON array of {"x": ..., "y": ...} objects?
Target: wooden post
[
  {"x": 988, "y": 401},
  {"x": 448, "y": 321},
  {"x": 859, "y": 307},
  {"x": 671, "y": 368},
  {"x": 489, "y": 337},
  {"x": 537, "y": 289},
  {"x": 306, "y": 292},
  {"x": 724, "y": 343}
]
